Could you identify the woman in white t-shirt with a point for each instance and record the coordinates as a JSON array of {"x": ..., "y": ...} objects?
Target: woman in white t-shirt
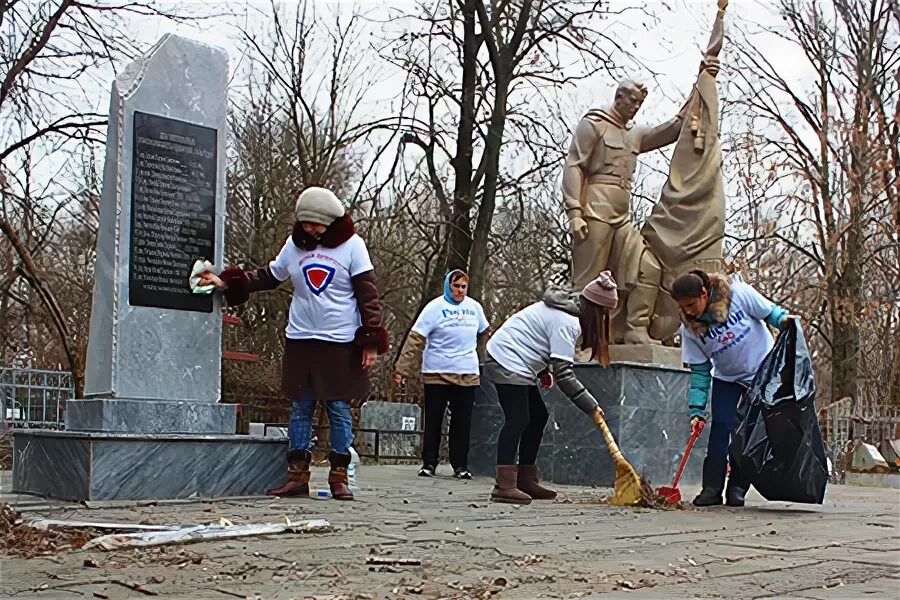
[
  {"x": 443, "y": 342},
  {"x": 724, "y": 339},
  {"x": 538, "y": 343},
  {"x": 333, "y": 334}
]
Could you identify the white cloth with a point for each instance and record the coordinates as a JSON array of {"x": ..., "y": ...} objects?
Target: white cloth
[
  {"x": 200, "y": 267},
  {"x": 323, "y": 306},
  {"x": 527, "y": 341},
  {"x": 451, "y": 336},
  {"x": 738, "y": 347}
]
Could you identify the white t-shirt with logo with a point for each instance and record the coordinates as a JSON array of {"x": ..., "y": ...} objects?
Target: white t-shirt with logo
[
  {"x": 738, "y": 347},
  {"x": 531, "y": 337},
  {"x": 323, "y": 306},
  {"x": 451, "y": 335}
]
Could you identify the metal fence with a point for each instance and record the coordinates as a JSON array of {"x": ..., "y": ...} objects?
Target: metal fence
[
  {"x": 843, "y": 424},
  {"x": 34, "y": 398},
  {"x": 377, "y": 444}
]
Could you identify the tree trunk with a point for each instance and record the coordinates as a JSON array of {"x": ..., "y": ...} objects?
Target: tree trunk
[
  {"x": 894, "y": 389},
  {"x": 457, "y": 235},
  {"x": 493, "y": 146},
  {"x": 844, "y": 344}
]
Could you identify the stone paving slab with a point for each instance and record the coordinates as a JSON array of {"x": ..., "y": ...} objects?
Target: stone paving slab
[{"x": 469, "y": 548}]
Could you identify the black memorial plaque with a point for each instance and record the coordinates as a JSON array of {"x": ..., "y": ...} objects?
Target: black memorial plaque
[{"x": 173, "y": 211}]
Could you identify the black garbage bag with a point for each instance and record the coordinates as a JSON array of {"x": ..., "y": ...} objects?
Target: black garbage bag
[{"x": 777, "y": 445}]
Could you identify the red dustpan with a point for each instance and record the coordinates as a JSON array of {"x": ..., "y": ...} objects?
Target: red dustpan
[{"x": 672, "y": 495}]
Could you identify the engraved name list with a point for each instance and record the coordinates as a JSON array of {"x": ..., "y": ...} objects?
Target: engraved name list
[{"x": 173, "y": 210}]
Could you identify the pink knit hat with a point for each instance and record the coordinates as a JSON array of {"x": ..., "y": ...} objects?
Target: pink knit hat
[{"x": 602, "y": 291}]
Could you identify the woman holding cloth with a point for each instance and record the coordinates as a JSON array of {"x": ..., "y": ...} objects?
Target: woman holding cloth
[
  {"x": 538, "y": 343},
  {"x": 724, "y": 340},
  {"x": 443, "y": 343},
  {"x": 333, "y": 334}
]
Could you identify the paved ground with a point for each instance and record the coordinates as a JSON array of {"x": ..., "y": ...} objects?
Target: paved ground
[{"x": 468, "y": 548}]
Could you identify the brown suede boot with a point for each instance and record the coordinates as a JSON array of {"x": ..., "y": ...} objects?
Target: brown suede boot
[
  {"x": 337, "y": 477},
  {"x": 528, "y": 483},
  {"x": 298, "y": 475},
  {"x": 505, "y": 488}
]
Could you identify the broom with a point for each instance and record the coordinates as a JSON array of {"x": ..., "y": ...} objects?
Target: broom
[{"x": 628, "y": 484}]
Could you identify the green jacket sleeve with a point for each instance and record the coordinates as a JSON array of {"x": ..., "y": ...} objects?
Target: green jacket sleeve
[
  {"x": 699, "y": 392},
  {"x": 775, "y": 317}
]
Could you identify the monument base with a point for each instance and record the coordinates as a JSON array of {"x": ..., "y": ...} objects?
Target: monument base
[
  {"x": 150, "y": 416},
  {"x": 72, "y": 465},
  {"x": 646, "y": 410},
  {"x": 654, "y": 354}
]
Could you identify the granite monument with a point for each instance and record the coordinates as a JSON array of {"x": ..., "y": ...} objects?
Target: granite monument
[{"x": 150, "y": 424}]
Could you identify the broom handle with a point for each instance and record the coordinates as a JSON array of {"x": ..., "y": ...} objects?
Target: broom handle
[
  {"x": 694, "y": 435},
  {"x": 607, "y": 435}
]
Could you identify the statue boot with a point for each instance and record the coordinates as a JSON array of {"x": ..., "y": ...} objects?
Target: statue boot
[{"x": 641, "y": 302}]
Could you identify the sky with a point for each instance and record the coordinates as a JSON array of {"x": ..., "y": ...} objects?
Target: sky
[
  {"x": 666, "y": 37},
  {"x": 668, "y": 42}
]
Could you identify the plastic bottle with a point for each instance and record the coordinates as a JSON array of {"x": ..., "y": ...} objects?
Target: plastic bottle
[
  {"x": 320, "y": 494},
  {"x": 351, "y": 470}
]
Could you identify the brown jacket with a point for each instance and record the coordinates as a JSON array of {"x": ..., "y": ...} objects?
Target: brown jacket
[
  {"x": 332, "y": 370},
  {"x": 410, "y": 361}
]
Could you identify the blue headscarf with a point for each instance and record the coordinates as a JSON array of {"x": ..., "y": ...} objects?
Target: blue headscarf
[{"x": 448, "y": 293}]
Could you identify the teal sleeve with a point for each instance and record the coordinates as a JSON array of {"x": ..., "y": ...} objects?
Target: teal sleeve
[
  {"x": 699, "y": 392},
  {"x": 775, "y": 316}
]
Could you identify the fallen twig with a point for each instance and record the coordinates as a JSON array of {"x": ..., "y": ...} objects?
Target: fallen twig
[
  {"x": 387, "y": 560},
  {"x": 227, "y": 593},
  {"x": 135, "y": 587},
  {"x": 335, "y": 572}
]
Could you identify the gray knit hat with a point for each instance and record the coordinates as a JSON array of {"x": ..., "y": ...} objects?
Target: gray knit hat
[{"x": 318, "y": 205}]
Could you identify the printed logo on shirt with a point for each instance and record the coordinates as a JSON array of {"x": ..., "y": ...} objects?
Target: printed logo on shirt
[
  {"x": 728, "y": 335},
  {"x": 457, "y": 317},
  {"x": 318, "y": 277}
]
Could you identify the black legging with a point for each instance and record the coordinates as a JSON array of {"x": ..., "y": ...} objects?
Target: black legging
[
  {"x": 525, "y": 415},
  {"x": 460, "y": 398}
]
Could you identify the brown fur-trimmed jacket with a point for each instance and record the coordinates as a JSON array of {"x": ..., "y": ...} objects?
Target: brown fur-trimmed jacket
[{"x": 332, "y": 369}]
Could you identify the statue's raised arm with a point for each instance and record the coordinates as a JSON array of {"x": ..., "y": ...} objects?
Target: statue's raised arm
[{"x": 687, "y": 225}]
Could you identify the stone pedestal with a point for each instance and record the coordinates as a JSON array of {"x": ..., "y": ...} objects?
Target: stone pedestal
[
  {"x": 646, "y": 410},
  {"x": 652, "y": 354},
  {"x": 150, "y": 416},
  {"x": 97, "y": 466}
]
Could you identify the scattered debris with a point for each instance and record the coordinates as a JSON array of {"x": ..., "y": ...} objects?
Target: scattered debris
[
  {"x": 528, "y": 559},
  {"x": 634, "y": 585},
  {"x": 202, "y": 533},
  {"x": 55, "y": 524},
  {"x": 19, "y": 538},
  {"x": 131, "y": 585},
  {"x": 386, "y": 560}
]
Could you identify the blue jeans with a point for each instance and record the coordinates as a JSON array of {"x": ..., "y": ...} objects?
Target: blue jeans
[
  {"x": 725, "y": 397},
  {"x": 339, "y": 418}
]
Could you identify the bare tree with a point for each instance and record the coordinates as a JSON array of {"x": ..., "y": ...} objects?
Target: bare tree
[
  {"x": 48, "y": 50},
  {"x": 297, "y": 121},
  {"x": 828, "y": 156},
  {"x": 52, "y": 330},
  {"x": 480, "y": 78}
]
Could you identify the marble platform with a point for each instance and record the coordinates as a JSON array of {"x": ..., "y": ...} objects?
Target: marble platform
[
  {"x": 646, "y": 410},
  {"x": 101, "y": 466},
  {"x": 653, "y": 354},
  {"x": 150, "y": 416}
]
